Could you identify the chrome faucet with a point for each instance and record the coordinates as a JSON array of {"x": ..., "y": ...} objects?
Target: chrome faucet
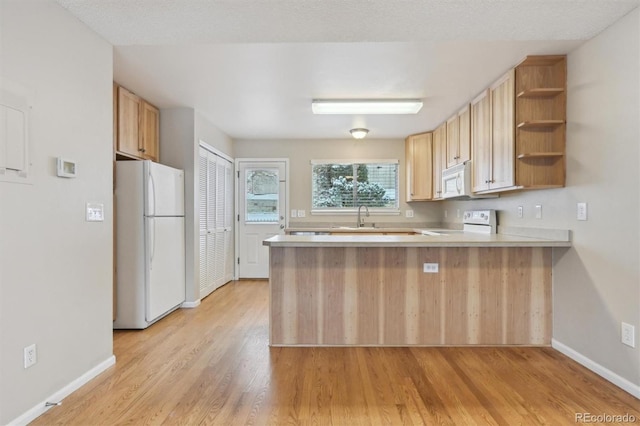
[{"x": 360, "y": 221}]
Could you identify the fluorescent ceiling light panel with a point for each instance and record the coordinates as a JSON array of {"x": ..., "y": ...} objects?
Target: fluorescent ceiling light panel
[{"x": 366, "y": 106}]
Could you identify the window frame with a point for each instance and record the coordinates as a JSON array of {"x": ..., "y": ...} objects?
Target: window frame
[{"x": 395, "y": 210}]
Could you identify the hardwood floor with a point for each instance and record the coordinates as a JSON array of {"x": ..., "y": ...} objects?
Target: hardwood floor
[{"x": 213, "y": 365}]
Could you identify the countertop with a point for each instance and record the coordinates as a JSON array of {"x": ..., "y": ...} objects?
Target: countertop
[{"x": 506, "y": 237}]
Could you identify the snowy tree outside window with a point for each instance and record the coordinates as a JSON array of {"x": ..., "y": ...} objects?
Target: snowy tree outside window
[{"x": 345, "y": 186}]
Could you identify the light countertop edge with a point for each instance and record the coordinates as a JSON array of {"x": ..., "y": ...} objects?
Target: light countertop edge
[{"x": 558, "y": 238}]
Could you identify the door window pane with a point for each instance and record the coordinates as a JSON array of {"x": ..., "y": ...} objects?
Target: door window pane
[{"x": 262, "y": 196}]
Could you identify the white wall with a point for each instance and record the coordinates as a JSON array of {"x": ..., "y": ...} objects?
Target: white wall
[
  {"x": 596, "y": 283},
  {"x": 301, "y": 152},
  {"x": 55, "y": 269},
  {"x": 181, "y": 130}
]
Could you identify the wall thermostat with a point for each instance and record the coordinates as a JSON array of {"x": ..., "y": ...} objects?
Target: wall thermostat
[{"x": 67, "y": 168}]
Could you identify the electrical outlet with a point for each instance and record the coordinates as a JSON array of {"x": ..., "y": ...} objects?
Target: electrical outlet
[
  {"x": 30, "y": 356},
  {"x": 446, "y": 214},
  {"x": 408, "y": 213},
  {"x": 458, "y": 213},
  {"x": 430, "y": 268},
  {"x": 520, "y": 212},
  {"x": 538, "y": 211},
  {"x": 582, "y": 211},
  {"x": 302, "y": 213},
  {"x": 628, "y": 333},
  {"x": 95, "y": 212}
]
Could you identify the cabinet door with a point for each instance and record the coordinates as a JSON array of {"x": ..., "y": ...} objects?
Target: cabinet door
[
  {"x": 149, "y": 131},
  {"x": 439, "y": 159},
  {"x": 464, "y": 135},
  {"x": 481, "y": 142},
  {"x": 128, "y": 122},
  {"x": 503, "y": 132},
  {"x": 419, "y": 167},
  {"x": 452, "y": 150}
]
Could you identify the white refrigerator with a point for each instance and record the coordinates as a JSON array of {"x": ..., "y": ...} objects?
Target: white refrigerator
[{"x": 150, "y": 243}]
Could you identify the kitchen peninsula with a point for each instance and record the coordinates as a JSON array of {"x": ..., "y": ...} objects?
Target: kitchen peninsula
[{"x": 346, "y": 289}]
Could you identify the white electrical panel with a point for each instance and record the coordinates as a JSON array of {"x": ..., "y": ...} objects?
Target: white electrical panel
[{"x": 14, "y": 134}]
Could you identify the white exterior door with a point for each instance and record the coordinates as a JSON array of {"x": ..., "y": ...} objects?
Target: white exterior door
[
  {"x": 216, "y": 221},
  {"x": 262, "y": 212}
]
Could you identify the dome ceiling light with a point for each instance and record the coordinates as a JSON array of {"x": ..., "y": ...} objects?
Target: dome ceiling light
[{"x": 359, "y": 133}]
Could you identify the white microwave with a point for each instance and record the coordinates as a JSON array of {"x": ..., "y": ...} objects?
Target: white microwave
[{"x": 456, "y": 182}]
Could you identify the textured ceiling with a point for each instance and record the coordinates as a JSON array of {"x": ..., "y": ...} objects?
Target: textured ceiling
[{"x": 253, "y": 66}]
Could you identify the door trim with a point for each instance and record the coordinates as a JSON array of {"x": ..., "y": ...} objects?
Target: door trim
[{"x": 236, "y": 271}]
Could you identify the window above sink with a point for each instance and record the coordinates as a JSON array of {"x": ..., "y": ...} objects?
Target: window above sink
[{"x": 340, "y": 186}]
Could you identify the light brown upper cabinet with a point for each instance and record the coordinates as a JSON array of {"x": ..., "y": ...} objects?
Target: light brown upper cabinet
[
  {"x": 149, "y": 131},
  {"x": 524, "y": 147},
  {"x": 419, "y": 166},
  {"x": 502, "y": 132},
  {"x": 493, "y": 136},
  {"x": 459, "y": 137},
  {"x": 481, "y": 141},
  {"x": 439, "y": 159},
  {"x": 137, "y": 127}
]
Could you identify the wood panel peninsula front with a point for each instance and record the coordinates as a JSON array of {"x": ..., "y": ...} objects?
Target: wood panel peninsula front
[{"x": 372, "y": 290}]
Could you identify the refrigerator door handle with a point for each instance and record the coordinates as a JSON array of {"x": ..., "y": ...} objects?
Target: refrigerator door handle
[
  {"x": 152, "y": 240},
  {"x": 152, "y": 195}
]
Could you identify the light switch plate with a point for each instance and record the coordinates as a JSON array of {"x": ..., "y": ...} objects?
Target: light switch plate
[
  {"x": 294, "y": 213},
  {"x": 95, "y": 212}
]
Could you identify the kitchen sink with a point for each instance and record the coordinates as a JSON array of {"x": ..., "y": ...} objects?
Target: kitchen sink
[{"x": 354, "y": 228}]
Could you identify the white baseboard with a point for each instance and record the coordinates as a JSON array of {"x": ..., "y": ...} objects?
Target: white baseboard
[
  {"x": 191, "y": 304},
  {"x": 614, "y": 378},
  {"x": 40, "y": 408}
]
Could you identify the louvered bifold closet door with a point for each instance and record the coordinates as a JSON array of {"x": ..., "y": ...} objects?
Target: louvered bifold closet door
[
  {"x": 202, "y": 208},
  {"x": 216, "y": 221},
  {"x": 219, "y": 223},
  {"x": 228, "y": 223},
  {"x": 211, "y": 224}
]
